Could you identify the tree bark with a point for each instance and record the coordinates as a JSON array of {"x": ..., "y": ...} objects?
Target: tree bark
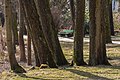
[
  {"x": 72, "y": 7},
  {"x": 111, "y": 19},
  {"x": 8, "y": 21},
  {"x": 78, "y": 32},
  {"x": 21, "y": 39},
  {"x": 107, "y": 23},
  {"x": 29, "y": 48},
  {"x": 92, "y": 56},
  {"x": 49, "y": 31},
  {"x": 100, "y": 49},
  {"x": 36, "y": 31}
]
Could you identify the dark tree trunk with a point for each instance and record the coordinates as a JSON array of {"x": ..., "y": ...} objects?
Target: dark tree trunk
[
  {"x": 36, "y": 30},
  {"x": 72, "y": 7},
  {"x": 15, "y": 24},
  {"x": 107, "y": 23},
  {"x": 37, "y": 60},
  {"x": 29, "y": 48},
  {"x": 100, "y": 49},
  {"x": 78, "y": 39},
  {"x": 49, "y": 31},
  {"x": 21, "y": 39},
  {"x": 111, "y": 18},
  {"x": 8, "y": 17},
  {"x": 92, "y": 56}
]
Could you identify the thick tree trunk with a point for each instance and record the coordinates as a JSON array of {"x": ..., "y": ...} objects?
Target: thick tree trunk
[
  {"x": 13, "y": 62},
  {"x": 100, "y": 49},
  {"x": 92, "y": 56},
  {"x": 36, "y": 30},
  {"x": 78, "y": 39},
  {"x": 49, "y": 31}
]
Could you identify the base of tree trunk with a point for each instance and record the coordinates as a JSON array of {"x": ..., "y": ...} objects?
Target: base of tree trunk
[
  {"x": 18, "y": 69},
  {"x": 44, "y": 66},
  {"x": 72, "y": 63},
  {"x": 81, "y": 64}
]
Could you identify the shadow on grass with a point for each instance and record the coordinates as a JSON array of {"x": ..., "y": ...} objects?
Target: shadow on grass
[
  {"x": 24, "y": 76},
  {"x": 87, "y": 74},
  {"x": 112, "y": 67}
]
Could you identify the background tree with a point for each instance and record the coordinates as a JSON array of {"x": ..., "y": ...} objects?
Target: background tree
[
  {"x": 29, "y": 61},
  {"x": 21, "y": 39},
  {"x": 72, "y": 7},
  {"x": 111, "y": 18}
]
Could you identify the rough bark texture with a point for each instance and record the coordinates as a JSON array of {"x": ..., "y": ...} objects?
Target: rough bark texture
[
  {"x": 72, "y": 7},
  {"x": 100, "y": 49},
  {"x": 78, "y": 39},
  {"x": 49, "y": 31},
  {"x": 29, "y": 48},
  {"x": 13, "y": 62},
  {"x": 21, "y": 40},
  {"x": 107, "y": 22},
  {"x": 14, "y": 23},
  {"x": 92, "y": 56},
  {"x": 36, "y": 31}
]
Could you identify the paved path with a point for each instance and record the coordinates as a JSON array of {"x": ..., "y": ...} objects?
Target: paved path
[{"x": 85, "y": 40}]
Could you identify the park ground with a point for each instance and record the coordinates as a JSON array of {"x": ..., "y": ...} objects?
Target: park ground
[{"x": 100, "y": 72}]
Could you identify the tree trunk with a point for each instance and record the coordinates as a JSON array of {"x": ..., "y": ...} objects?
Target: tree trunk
[
  {"x": 100, "y": 49},
  {"x": 29, "y": 48},
  {"x": 72, "y": 7},
  {"x": 78, "y": 39},
  {"x": 37, "y": 60},
  {"x": 107, "y": 23},
  {"x": 15, "y": 24},
  {"x": 92, "y": 56},
  {"x": 49, "y": 31},
  {"x": 36, "y": 33},
  {"x": 111, "y": 18},
  {"x": 8, "y": 17},
  {"x": 21, "y": 39}
]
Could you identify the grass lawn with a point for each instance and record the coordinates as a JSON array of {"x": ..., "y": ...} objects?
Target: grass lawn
[{"x": 76, "y": 72}]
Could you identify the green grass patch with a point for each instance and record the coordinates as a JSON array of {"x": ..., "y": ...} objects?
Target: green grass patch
[{"x": 76, "y": 72}]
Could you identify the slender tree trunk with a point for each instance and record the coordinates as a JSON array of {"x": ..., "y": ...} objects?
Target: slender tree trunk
[
  {"x": 92, "y": 55},
  {"x": 49, "y": 31},
  {"x": 21, "y": 39},
  {"x": 107, "y": 23},
  {"x": 111, "y": 18},
  {"x": 37, "y": 60},
  {"x": 29, "y": 48},
  {"x": 72, "y": 7},
  {"x": 78, "y": 39},
  {"x": 15, "y": 24},
  {"x": 13, "y": 62}
]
